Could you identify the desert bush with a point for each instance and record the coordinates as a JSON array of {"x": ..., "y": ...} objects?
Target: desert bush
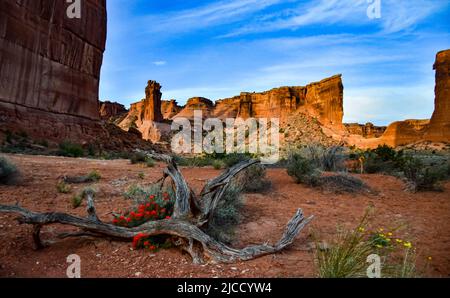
[
  {"x": 218, "y": 164},
  {"x": 94, "y": 176},
  {"x": 149, "y": 162},
  {"x": 226, "y": 216},
  {"x": 346, "y": 256},
  {"x": 140, "y": 194},
  {"x": 254, "y": 179},
  {"x": 235, "y": 158},
  {"x": 303, "y": 170},
  {"x": 196, "y": 161},
  {"x": 63, "y": 187},
  {"x": 383, "y": 159},
  {"x": 8, "y": 172},
  {"x": 70, "y": 149},
  {"x": 330, "y": 159},
  {"x": 76, "y": 201},
  {"x": 342, "y": 183},
  {"x": 138, "y": 157},
  {"x": 423, "y": 178}
]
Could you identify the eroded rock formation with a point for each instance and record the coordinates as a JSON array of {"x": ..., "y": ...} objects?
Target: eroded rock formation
[
  {"x": 367, "y": 130},
  {"x": 111, "y": 110},
  {"x": 169, "y": 108},
  {"x": 415, "y": 131}
]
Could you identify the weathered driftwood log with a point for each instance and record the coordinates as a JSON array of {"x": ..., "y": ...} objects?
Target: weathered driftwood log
[{"x": 191, "y": 214}]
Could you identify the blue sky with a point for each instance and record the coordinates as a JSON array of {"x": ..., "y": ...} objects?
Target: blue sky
[{"x": 216, "y": 49}]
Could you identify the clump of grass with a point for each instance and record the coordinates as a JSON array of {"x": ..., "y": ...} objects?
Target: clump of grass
[
  {"x": 9, "y": 174},
  {"x": 150, "y": 162},
  {"x": 70, "y": 149},
  {"x": 76, "y": 201},
  {"x": 254, "y": 179},
  {"x": 63, "y": 187},
  {"x": 94, "y": 176},
  {"x": 141, "y": 175},
  {"x": 226, "y": 216},
  {"x": 218, "y": 164},
  {"x": 346, "y": 256}
]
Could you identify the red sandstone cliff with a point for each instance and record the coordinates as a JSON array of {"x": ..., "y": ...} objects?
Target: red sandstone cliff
[
  {"x": 111, "y": 110},
  {"x": 50, "y": 67}
]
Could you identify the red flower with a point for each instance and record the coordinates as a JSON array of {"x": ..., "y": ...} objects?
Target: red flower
[
  {"x": 115, "y": 221},
  {"x": 168, "y": 217}
]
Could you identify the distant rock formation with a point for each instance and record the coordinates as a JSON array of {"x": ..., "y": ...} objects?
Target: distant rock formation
[
  {"x": 414, "y": 131},
  {"x": 111, "y": 110},
  {"x": 367, "y": 130},
  {"x": 322, "y": 100},
  {"x": 196, "y": 104},
  {"x": 169, "y": 108}
]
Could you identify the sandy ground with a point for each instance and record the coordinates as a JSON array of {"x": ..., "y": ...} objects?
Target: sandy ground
[{"x": 425, "y": 218}]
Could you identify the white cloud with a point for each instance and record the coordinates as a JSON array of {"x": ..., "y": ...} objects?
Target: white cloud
[{"x": 159, "y": 63}]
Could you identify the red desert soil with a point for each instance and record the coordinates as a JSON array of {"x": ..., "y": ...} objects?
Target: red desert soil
[{"x": 426, "y": 217}]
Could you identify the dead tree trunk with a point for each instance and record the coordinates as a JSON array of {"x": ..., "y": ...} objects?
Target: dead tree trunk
[{"x": 190, "y": 214}]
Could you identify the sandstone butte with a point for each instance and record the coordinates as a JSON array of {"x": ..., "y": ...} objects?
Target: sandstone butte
[{"x": 50, "y": 72}]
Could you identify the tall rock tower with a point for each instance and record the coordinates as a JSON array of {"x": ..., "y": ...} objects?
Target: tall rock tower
[
  {"x": 439, "y": 129},
  {"x": 152, "y": 102}
]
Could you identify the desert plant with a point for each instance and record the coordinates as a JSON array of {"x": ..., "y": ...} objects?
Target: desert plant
[
  {"x": 138, "y": 157},
  {"x": 422, "y": 178},
  {"x": 346, "y": 256},
  {"x": 254, "y": 179},
  {"x": 70, "y": 149},
  {"x": 235, "y": 158},
  {"x": 141, "y": 175},
  {"x": 342, "y": 182},
  {"x": 218, "y": 164},
  {"x": 303, "y": 170},
  {"x": 63, "y": 187},
  {"x": 8, "y": 172},
  {"x": 76, "y": 201},
  {"x": 227, "y": 215},
  {"x": 140, "y": 194},
  {"x": 149, "y": 162},
  {"x": 94, "y": 176}
]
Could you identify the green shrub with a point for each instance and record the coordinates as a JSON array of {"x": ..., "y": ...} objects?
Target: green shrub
[
  {"x": 254, "y": 179},
  {"x": 76, "y": 201},
  {"x": 8, "y": 172},
  {"x": 421, "y": 177},
  {"x": 70, "y": 149},
  {"x": 150, "y": 162},
  {"x": 226, "y": 216},
  {"x": 140, "y": 194},
  {"x": 138, "y": 157},
  {"x": 94, "y": 176},
  {"x": 141, "y": 175},
  {"x": 303, "y": 170},
  {"x": 235, "y": 158},
  {"x": 342, "y": 183},
  {"x": 218, "y": 164},
  {"x": 329, "y": 159},
  {"x": 62, "y": 187},
  {"x": 383, "y": 159}
]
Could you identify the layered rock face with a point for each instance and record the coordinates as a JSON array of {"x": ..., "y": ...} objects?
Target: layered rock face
[
  {"x": 367, "y": 130},
  {"x": 110, "y": 110},
  {"x": 322, "y": 100},
  {"x": 196, "y": 104},
  {"x": 169, "y": 108},
  {"x": 439, "y": 129},
  {"x": 50, "y": 67}
]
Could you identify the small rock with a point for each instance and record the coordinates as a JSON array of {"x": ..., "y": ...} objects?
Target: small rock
[{"x": 137, "y": 274}]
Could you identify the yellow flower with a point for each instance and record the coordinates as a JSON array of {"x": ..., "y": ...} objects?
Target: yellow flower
[
  {"x": 388, "y": 239},
  {"x": 379, "y": 246},
  {"x": 381, "y": 229},
  {"x": 389, "y": 234},
  {"x": 407, "y": 244},
  {"x": 361, "y": 229},
  {"x": 399, "y": 240}
]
